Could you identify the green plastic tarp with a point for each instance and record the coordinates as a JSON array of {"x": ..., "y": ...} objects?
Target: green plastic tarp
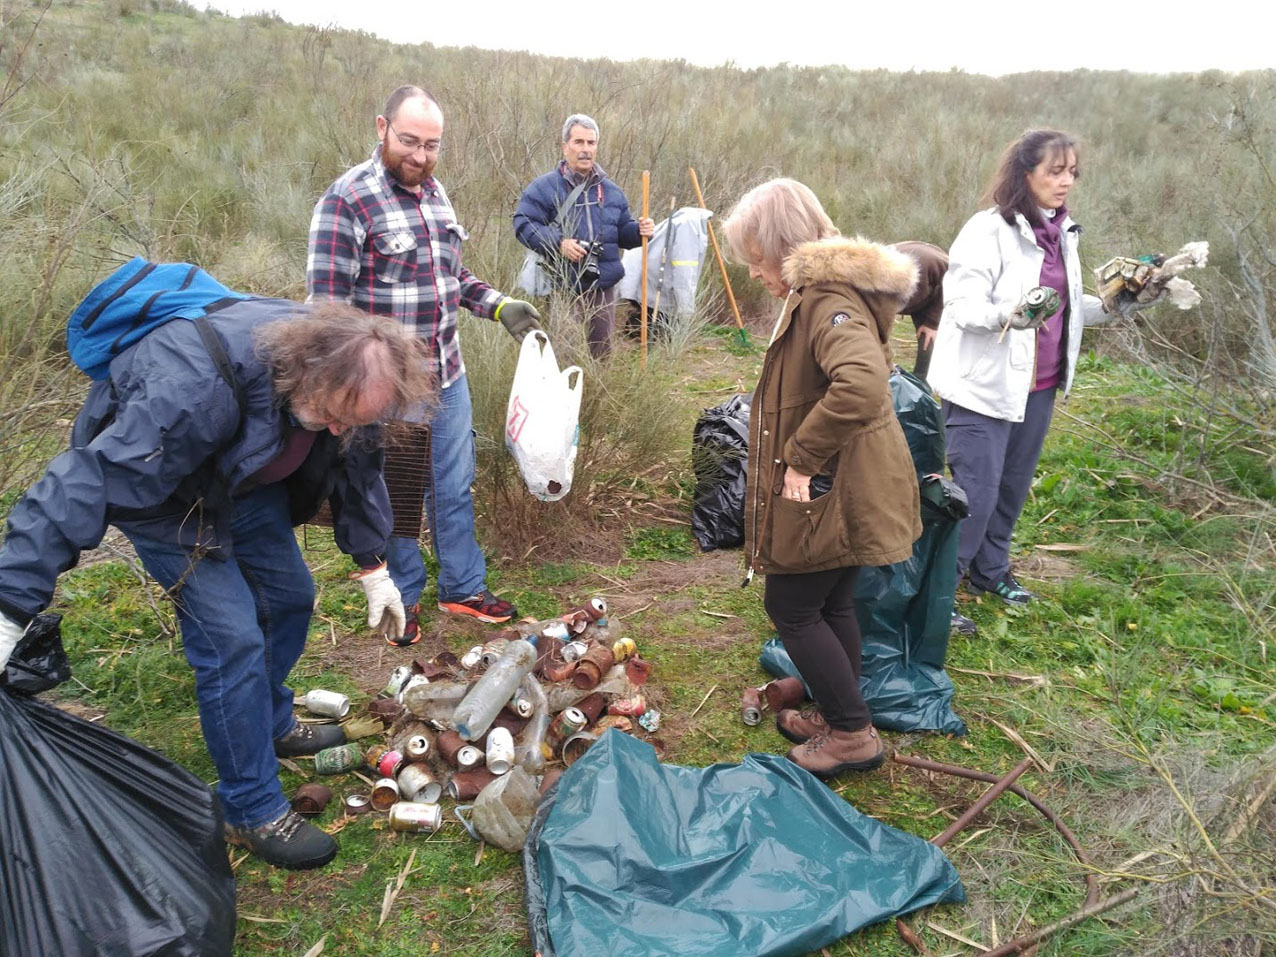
[{"x": 629, "y": 857}]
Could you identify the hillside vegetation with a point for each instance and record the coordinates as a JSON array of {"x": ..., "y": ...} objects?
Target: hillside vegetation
[{"x": 1143, "y": 682}]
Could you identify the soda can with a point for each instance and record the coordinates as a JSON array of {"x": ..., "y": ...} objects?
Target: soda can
[
  {"x": 624, "y": 649},
  {"x": 330, "y": 704},
  {"x": 472, "y": 657},
  {"x": 574, "y": 650},
  {"x": 390, "y": 763},
  {"x": 418, "y": 783},
  {"x": 500, "y": 751},
  {"x": 416, "y": 817},
  {"x": 751, "y": 707},
  {"x": 449, "y": 744},
  {"x": 632, "y": 707},
  {"x": 468, "y": 757},
  {"x": 398, "y": 678},
  {"x": 566, "y": 723},
  {"x": 384, "y": 794},
  {"x": 412, "y": 682},
  {"x": 416, "y": 747},
  {"x": 357, "y": 804},
  {"x": 591, "y": 706},
  {"x": 492, "y": 650},
  {"x": 344, "y": 757},
  {"x": 466, "y": 785}
]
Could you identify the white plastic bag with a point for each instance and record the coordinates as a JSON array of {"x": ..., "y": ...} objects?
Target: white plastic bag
[{"x": 542, "y": 417}]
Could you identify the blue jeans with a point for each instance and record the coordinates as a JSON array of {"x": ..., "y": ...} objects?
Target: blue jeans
[
  {"x": 244, "y": 624},
  {"x": 993, "y": 460},
  {"x": 449, "y": 506}
]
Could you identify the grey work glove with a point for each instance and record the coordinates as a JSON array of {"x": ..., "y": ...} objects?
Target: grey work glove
[
  {"x": 518, "y": 317},
  {"x": 10, "y": 634},
  {"x": 385, "y": 605}
]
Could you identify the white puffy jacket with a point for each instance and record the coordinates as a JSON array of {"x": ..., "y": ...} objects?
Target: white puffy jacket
[{"x": 991, "y": 265}]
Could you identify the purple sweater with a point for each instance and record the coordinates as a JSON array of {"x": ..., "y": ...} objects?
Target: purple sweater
[{"x": 1050, "y": 335}]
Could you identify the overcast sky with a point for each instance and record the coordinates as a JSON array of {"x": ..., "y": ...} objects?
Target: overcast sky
[{"x": 1167, "y": 37}]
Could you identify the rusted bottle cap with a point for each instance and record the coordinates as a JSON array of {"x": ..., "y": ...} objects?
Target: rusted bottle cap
[{"x": 311, "y": 799}]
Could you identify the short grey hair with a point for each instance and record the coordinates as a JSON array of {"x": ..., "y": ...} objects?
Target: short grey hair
[{"x": 579, "y": 119}]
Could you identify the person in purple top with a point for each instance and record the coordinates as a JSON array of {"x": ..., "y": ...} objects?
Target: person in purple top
[{"x": 998, "y": 374}]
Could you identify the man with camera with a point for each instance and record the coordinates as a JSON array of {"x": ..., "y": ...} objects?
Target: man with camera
[{"x": 577, "y": 221}]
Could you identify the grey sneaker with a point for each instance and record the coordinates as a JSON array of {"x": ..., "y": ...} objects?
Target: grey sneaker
[
  {"x": 308, "y": 739},
  {"x": 289, "y": 841},
  {"x": 964, "y": 626}
]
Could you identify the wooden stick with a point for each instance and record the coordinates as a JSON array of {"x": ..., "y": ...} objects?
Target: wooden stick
[
  {"x": 735, "y": 310},
  {"x": 646, "y": 214}
]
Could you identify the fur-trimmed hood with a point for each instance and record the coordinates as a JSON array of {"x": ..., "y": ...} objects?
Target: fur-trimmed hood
[{"x": 882, "y": 275}]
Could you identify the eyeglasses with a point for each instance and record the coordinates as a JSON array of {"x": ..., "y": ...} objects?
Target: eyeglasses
[{"x": 412, "y": 144}]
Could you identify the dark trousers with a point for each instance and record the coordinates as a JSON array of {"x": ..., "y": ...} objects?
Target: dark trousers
[
  {"x": 596, "y": 308},
  {"x": 993, "y": 461},
  {"x": 814, "y": 615}
]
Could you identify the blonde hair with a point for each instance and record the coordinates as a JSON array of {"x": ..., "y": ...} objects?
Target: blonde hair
[{"x": 773, "y": 219}]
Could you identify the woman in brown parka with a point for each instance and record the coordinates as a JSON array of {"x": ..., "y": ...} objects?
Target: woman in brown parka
[{"x": 831, "y": 485}]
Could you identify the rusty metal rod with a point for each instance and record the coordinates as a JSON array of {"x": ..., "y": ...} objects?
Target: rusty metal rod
[
  {"x": 978, "y": 807},
  {"x": 1020, "y": 944},
  {"x": 1091, "y": 880}
]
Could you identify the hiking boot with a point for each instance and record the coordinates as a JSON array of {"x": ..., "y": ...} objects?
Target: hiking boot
[
  {"x": 963, "y": 625},
  {"x": 288, "y": 841},
  {"x": 484, "y": 606},
  {"x": 1008, "y": 590},
  {"x": 833, "y": 752},
  {"x": 411, "y": 628},
  {"x": 800, "y": 726},
  {"x": 306, "y": 739}
]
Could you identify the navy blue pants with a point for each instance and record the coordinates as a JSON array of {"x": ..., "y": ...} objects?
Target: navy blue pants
[{"x": 993, "y": 461}]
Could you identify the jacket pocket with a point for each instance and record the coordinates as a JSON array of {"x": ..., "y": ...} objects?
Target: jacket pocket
[
  {"x": 807, "y": 534},
  {"x": 394, "y": 257}
]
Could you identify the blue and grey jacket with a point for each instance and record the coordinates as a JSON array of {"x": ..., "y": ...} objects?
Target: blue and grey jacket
[
  {"x": 161, "y": 447},
  {"x": 600, "y": 212}
]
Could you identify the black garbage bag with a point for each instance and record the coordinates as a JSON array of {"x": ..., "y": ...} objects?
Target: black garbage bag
[
  {"x": 905, "y": 610},
  {"x": 720, "y": 457},
  {"x": 632, "y": 857},
  {"x": 106, "y": 847}
]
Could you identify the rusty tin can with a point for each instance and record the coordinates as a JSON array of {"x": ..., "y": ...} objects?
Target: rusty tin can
[
  {"x": 577, "y": 745},
  {"x": 558, "y": 670},
  {"x": 385, "y": 792},
  {"x": 387, "y": 710},
  {"x": 591, "y": 667},
  {"x": 415, "y": 816},
  {"x": 448, "y": 744},
  {"x": 418, "y": 783},
  {"x": 466, "y": 785},
  {"x": 784, "y": 693},
  {"x": 344, "y": 757},
  {"x": 591, "y": 706},
  {"x": 637, "y": 670},
  {"x": 311, "y": 799},
  {"x": 329, "y": 704},
  {"x": 751, "y": 707}
]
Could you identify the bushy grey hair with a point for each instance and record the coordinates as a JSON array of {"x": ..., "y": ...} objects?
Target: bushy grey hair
[
  {"x": 579, "y": 119},
  {"x": 773, "y": 219}
]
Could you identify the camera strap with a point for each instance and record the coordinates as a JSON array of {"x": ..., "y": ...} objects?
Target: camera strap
[{"x": 569, "y": 202}]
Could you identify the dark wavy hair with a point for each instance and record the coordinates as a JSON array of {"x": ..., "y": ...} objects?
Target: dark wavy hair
[
  {"x": 1008, "y": 190},
  {"x": 331, "y": 350}
]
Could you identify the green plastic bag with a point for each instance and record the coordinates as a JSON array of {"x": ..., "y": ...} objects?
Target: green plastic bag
[{"x": 629, "y": 857}]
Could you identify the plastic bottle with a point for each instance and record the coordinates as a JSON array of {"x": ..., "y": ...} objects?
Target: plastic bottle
[
  {"x": 503, "y": 810},
  {"x": 473, "y": 716},
  {"x": 528, "y": 754},
  {"x": 436, "y": 699}
]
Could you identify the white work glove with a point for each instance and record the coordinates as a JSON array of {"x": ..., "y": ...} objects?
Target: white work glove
[
  {"x": 10, "y": 635},
  {"x": 385, "y": 605}
]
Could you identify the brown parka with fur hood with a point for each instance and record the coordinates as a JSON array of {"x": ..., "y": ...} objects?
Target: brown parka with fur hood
[{"x": 823, "y": 406}]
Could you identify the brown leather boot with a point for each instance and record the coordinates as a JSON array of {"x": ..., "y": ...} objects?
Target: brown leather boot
[
  {"x": 800, "y": 726},
  {"x": 835, "y": 751}
]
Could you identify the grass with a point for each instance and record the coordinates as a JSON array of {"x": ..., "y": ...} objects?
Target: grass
[{"x": 1146, "y": 662}]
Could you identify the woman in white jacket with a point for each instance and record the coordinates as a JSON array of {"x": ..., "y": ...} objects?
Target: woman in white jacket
[{"x": 999, "y": 363}]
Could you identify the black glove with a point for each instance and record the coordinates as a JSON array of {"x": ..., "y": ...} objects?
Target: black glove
[{"x": 518, "y": 317}]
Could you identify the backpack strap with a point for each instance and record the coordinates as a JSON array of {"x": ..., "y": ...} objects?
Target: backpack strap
[{"x": 216, "y": 349}]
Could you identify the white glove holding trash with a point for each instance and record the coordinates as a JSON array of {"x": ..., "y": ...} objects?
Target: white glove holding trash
[
  {"x": 542, "y": 418},
  {"x": 10, "y": 634},
  {"x": 385, "y": 604}
]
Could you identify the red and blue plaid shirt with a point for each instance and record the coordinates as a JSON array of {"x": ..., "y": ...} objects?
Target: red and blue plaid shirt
[{"x": 394, "y": 252}]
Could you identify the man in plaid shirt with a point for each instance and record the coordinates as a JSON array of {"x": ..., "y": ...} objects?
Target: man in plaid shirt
[{"x": 384, "y": 237}]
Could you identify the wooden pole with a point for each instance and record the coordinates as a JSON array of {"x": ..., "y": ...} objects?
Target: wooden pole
[
  {"x": 735, "y": 310},
  {"x": 646, "y": 213}
]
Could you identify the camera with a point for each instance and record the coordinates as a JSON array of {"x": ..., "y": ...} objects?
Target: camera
[{"x": 589, "y": 265}]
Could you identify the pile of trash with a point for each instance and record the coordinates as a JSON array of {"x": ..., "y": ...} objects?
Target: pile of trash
[{"x": 495, "y": 726}]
